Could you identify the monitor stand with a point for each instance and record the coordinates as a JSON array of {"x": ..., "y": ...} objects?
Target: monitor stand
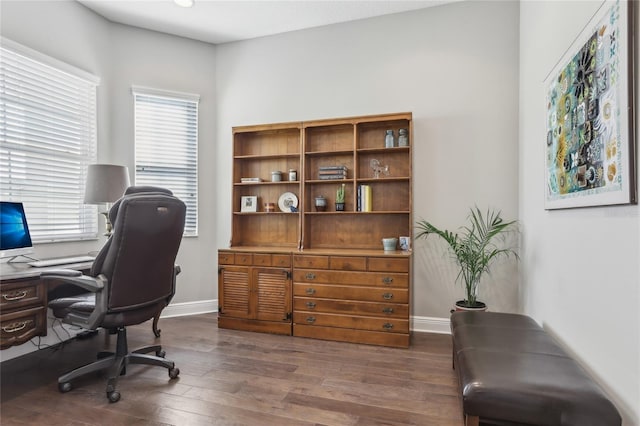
[{"x": 29, "y": 259}]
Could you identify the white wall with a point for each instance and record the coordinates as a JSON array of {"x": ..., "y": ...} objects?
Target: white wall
[
  {"x": 580, "y": 267},
  {"x": 71, "y": 33},
  {"x": 455, "y": 67},
  {"x": 123, "y": 56},
  {"x": 150, "y": 59}
]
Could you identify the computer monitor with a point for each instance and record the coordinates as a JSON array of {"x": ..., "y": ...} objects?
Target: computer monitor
[{"x": 15, "y": 239}]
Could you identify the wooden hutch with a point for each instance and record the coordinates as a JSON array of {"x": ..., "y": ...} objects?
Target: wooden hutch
[{"x": 320, "y": 274}]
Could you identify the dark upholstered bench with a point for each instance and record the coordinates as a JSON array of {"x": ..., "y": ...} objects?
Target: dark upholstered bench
[{"x": 511, "y": 372}]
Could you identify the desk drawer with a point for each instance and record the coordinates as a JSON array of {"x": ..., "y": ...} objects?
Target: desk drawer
[
  {"x": 390, "y": 325},
  {"x": 305, "y": 261},
  {"x": 387, "y": 264},
  {"x": 22, "y": 293},
  {"x": 367, "y": 294},
  {"x": 351, "y": 307},
  {"x": 377, "y": 279},
  {"x": 19, "y": 327}
]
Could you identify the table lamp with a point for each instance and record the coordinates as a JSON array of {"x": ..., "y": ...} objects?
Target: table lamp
[{"x": 105, "y": 184}]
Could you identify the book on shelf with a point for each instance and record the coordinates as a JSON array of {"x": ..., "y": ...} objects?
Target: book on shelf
[
  {"x": 250, "y": 179},
  {"x": 332, "y": 177},
  {"x": 364, "y": 200},
  {"x": 332, "y": 172},
  {"x": 322, "y": 168}
]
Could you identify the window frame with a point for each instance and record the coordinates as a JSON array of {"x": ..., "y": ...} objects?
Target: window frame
[
  {"x": 53, "y": 219},
  {"x": 191, "y": 149}
]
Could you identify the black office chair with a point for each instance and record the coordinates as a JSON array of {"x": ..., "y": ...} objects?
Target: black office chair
[{"x": 132, "y": 279}]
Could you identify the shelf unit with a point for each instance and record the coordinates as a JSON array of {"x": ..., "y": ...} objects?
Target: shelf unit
[
  {"x": 356, "y": 143},
  {"x": 342, "y": 248},
  {"x": 258, "y": 151}
]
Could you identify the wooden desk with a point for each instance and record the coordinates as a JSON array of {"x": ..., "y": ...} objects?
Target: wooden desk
[{"x": 23, "y": 301}]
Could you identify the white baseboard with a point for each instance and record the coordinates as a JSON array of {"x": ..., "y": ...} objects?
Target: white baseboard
[
  {"x": 430, "y": 325},
  {"x": 190, "y": 308}
]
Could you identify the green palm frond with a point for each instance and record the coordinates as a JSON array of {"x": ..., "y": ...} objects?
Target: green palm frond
[{"x": 474, "y": 245}]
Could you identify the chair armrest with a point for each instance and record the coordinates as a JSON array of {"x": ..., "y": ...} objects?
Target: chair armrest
[{"x": 69, "y": 276}]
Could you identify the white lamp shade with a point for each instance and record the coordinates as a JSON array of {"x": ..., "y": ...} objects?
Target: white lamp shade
[{"x": 106, "y": 183}]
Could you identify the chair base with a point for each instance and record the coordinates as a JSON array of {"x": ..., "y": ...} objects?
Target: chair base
[{"x": 116, "y": 364}]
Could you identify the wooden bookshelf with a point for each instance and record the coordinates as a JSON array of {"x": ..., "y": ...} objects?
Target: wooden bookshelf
[{"x": 347, "y": 244}]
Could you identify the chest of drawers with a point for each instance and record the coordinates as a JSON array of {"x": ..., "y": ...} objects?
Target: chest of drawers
[
  {"x": 360, "y": 299},
  {"x": 23, "y": 312}
]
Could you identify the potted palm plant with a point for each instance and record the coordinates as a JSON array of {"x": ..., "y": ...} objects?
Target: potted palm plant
[{"x": 474, "y": 248}]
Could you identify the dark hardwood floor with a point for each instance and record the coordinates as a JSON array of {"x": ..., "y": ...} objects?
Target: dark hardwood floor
[{"x": 232, "y": 377}]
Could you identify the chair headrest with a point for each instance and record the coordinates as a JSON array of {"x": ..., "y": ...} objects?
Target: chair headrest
[{"x": 113, "y": 212}]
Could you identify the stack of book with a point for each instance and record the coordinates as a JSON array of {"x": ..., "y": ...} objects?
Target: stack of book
[
  {"x": 250, "y": 179},
  {"x": 364, "y": 198},
  {"x": 332, "y": 172}
]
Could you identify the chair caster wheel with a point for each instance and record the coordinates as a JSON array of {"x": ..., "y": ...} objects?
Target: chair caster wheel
[
  {"x": 174, "y": 372},
  {"x": 161, "y": 353},
  {"x": 64, "y": 387},
  {"x": 113, "y": 396}
]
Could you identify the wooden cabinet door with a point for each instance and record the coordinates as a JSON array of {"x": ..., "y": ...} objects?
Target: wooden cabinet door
[
  {"x": 234, "y": 291},
  {"x": 272, "y": 294}
]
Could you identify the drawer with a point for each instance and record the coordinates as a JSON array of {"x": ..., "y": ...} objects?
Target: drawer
[
  {"x": 281, "y": 260},
  {"x": 370, "y": 294},
  {"x": 302, "y": 261},
  {"x": 243, "y": 259},
  {"x": 351, "y": 278},
  {"x": 261, "y": 259},
  {"x": 19, "y": 327},
  {"x": 350, "y": 307},
  {"x": 390, "y": 325},
  {"x": 348, "y": 263},
  {"x": 391, "y": 264},
  {"x": 22, "y": 293},
  {"x": 226, "y": 258}
]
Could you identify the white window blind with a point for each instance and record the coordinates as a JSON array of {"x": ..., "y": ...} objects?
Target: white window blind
[
  {"x": 47, "y": 139},
  {"x": 166, "y": 139}
]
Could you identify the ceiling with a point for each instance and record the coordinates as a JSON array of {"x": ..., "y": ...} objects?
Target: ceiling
[{"x": 216, "y": 21}]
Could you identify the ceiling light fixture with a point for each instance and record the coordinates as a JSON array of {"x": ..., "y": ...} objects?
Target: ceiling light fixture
[{"x": 184, "y": 3}]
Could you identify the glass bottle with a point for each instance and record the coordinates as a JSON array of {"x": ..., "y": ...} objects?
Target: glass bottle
[
  {"x": 403, "y": 137},
  {"x": 389, "y": 139}
]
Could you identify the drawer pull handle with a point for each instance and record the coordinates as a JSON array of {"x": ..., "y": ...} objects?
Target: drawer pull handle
[
  {"x": 310, "y": 291},
  {"x": 387, "y": 280},
  {"x": 387, "y": 326},
  {"x": 388, "y": 310},
  {"x": 311, "y": 320},
  {"x": 311, "y": 305},
  {"x": 14, "y": 296},
  {"x": 387, "y": 296},
  {"x": 15, "y": 327},
  {"x": 310, "y": 276}
]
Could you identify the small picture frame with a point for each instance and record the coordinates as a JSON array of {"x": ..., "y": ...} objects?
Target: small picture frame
[
  {"x": 405, "y": 243},
  {"x": 249, "y": 204}
]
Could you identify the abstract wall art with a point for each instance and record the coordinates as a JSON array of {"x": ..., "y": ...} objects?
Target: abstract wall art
[{"x": 590, "y": 146}]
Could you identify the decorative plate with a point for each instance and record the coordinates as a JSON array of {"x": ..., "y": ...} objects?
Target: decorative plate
[{"x": 287, "y": 200}]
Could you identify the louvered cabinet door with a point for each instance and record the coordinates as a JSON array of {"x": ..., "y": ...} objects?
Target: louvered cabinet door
[
  {"x": 234, "y": 292},
  {"x": 272, "y": 294}
]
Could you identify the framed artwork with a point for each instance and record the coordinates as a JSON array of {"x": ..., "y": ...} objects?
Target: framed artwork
[
  {"x": 590, "y": 141},
  {"x": 249, "y": 204}
]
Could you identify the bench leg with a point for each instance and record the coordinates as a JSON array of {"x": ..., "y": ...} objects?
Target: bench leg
[{"x": 472, "y": 421}]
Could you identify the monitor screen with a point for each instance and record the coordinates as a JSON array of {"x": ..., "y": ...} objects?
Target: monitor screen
[{"x": 14, "y": 231}]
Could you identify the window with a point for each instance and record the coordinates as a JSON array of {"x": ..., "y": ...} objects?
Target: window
[
  {"x": 166, "y": 138},
  {"x": 47, "y": 139}
]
